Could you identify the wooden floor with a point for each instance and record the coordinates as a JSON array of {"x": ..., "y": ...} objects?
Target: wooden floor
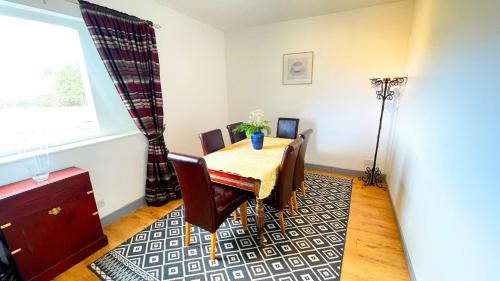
[{"x": 373, "y": 247}]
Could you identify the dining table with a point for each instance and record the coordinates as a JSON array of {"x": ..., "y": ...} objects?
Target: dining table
[{"x": 240, "y": 166}]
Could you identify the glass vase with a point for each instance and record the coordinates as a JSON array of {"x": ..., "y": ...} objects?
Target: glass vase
[{"x": 37, "y": 158}]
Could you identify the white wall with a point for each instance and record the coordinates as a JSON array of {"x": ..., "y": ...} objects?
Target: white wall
[
  {"x": 349, "y": 48},
  {"x": 444, "y": 176},
  {"x": 192, "y": 59}
]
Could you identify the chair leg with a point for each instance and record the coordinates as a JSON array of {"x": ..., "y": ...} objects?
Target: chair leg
[
  {"x": 303, "y": 189},
  {"x": 282, "y": 221},
  {"x": 243, "y": 214},
  {"x": 188, "y": 233},
  {"x": 213, "y": 238},
  {"x": 235, "y": 215},
  {"x": 290, "y": 205},
  {"x": 294, "y": 197}
]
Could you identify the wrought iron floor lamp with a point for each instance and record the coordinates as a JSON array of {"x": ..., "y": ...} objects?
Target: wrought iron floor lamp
[{"x": 384, "y": 89}]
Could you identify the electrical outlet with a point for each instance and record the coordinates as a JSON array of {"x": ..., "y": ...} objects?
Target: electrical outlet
[
  {"x": 368, "y": 163},
  {"x": 100, "y": 204}
]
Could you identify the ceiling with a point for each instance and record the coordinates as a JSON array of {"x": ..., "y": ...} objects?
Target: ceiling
[{"x": 230, "y": 15}]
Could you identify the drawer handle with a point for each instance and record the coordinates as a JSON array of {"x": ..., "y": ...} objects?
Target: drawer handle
[
  {"x": 55, "y": 211},
  {"x": 15, "y": 251},
  {"x": 4, "y": 226}
]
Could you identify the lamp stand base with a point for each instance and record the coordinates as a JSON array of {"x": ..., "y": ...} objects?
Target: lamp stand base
[{"x": 373, "y": 177}]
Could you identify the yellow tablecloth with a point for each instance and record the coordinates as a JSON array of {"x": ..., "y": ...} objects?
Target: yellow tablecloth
[{"x": 240, "y": 158}]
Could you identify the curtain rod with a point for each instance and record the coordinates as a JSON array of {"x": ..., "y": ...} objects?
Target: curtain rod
[{"x": 155, "y": 25}]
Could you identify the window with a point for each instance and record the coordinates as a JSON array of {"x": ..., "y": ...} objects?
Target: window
[{"x": 46, "y": 93}]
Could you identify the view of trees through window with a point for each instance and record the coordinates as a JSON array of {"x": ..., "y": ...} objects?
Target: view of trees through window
[
  {"x": 45, "y": 94},
  {"x": 66, "y": 91}
]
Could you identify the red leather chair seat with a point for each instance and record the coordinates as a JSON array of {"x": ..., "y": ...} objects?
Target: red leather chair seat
[{"x": 227, "y": 199}]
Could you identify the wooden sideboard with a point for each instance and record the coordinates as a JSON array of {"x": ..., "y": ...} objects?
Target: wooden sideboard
[{"x": 52, "y": 225}]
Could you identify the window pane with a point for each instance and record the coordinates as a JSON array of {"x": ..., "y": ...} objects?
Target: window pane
[{"x": 45, "y": 93}]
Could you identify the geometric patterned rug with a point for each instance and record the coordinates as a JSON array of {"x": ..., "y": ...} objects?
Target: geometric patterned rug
[{"x": 311, "y": 248}]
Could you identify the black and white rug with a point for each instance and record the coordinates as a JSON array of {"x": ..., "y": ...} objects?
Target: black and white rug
[{"x": 311, "y": 248}]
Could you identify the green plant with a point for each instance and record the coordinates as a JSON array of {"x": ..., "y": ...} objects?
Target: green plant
[
  {"x": 249, "y": 129},
  {"x": 256, "y": 123}
]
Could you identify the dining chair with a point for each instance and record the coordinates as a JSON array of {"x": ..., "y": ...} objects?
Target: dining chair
[
  {"x": 287, "y": 128},
  {"x": 235, "y": 136},
  {"x": 282, "y": 192},
  {"x": 206, "y": 204},
  {"x": 211, "y": 141},
  {"x": 298, "y": 178}
]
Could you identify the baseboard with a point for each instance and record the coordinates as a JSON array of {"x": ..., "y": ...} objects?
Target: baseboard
[
  {"x": 334, "y": 170},
  {"x": 413, "y": 277},
  {"x": 116, "y": 215}
]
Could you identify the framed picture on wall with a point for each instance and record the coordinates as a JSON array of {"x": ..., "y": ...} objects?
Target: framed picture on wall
[{"x": 298, "y": 68}]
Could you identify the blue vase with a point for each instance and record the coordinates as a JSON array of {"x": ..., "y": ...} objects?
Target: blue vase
[{"x": 257, "y": 140}]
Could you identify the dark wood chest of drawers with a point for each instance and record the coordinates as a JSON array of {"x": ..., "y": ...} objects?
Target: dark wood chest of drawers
[{"x": 50, "y": 226}]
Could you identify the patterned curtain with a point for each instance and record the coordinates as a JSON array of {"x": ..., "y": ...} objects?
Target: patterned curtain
[{"x": 127, "y": 45}]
